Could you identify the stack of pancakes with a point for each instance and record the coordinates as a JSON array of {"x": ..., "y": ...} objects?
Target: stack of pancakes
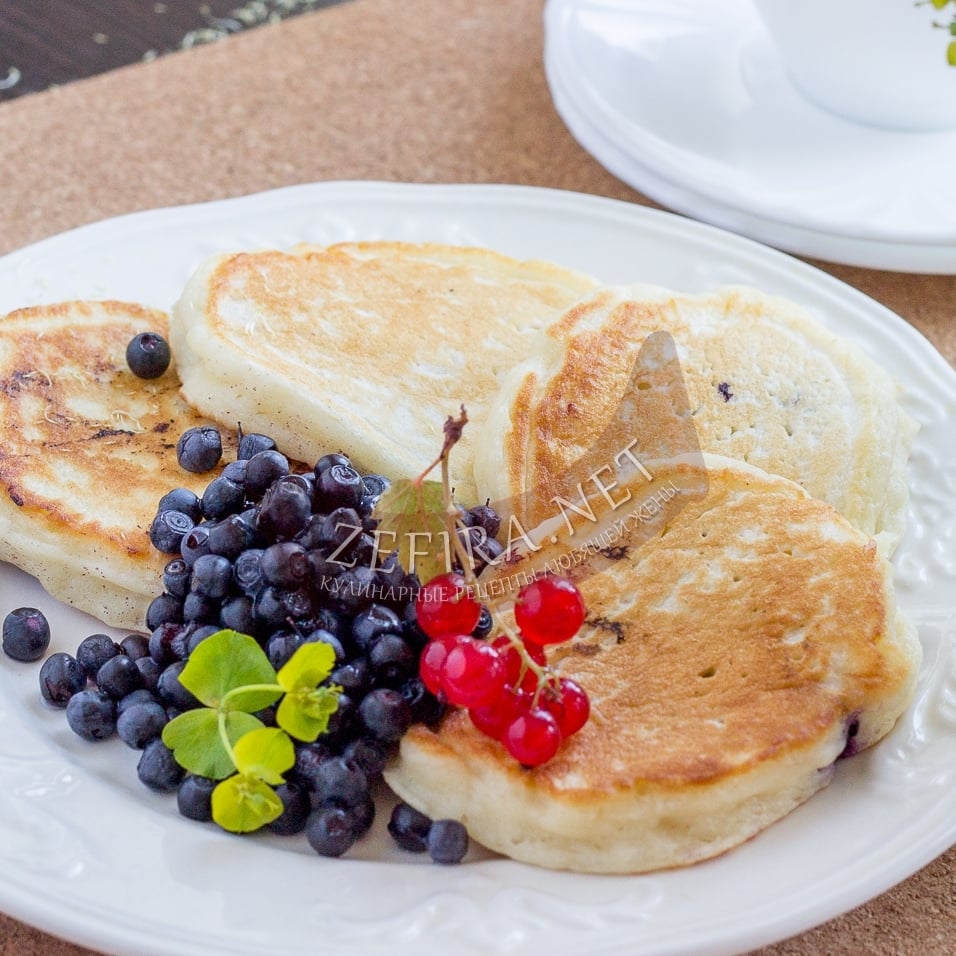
[{"x": 735, "y": 646}]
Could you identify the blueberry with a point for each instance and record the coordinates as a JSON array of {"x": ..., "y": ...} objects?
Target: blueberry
[
  {"x": 285, "y": 565},
  {"x": 325, "y": 637},
  {"x": 231, "y": 536},
  {"x": 281, "y": 646},
  {"x": 310, "y": 537},
  {"x": 141, "y": 695},
  {"x": 222, "y": 497},
  {"x": 425, "y": 706},
  {"x": 252, "y": 444},
  {"x": 308, "y": 759},
  {"x": 354, "y": 589},
  {"x": 336, "y": 623},
  {"x": 197, "y": 636},
  {"x": 148, "y": 355},
  {"x": 163, "y": 643},
  {"x": 165, "y": 608},
  {"x": 340, "y": 781},
  {"x": 365, "y": 508},
  {"x": 322, "y": 575},
  {"x": 195, "y": 543},
  {"x": 385, "y": 714},
  {"x": 269, "y": 609},
  {"x": 118, "y": 677},
  {"x": 194, "y": 797},
  {"x": 167, "y": 530},
  {"x": 150, "y": 672},
  {"x": 212, "y": 574},
  {"x": 339, "y": 532},
  {"x": 61, "y": 676},
  {"x": 486, "y": 517},
  {"x": 342, "y": 722},
  {"x": 284, "y": 511},
  {"x": 170, "y": 690},
  {"x": 372, "y": 623},
  {"x": 235, "y": 471},
  {"x": 199, "y": 610},
  {"x": 305, "y": 482},
  {"x": 392, "y": 660},
  {"x": 94, "y": 651},
  {"x": 327, "y": 461},
  {"x": 447, "y": 841},
  {"x": 184, "y": 500},
  {"x": 485, "y": 623},
  {"x": 135, "y": 646},
  {"x": 176, "y": 576},
  {"x": 363, "y": 815},
  {"x": 369, "y": 755},
  {"x": 262, "y": 469},
  {"x": 409, "y": 828},
  {"x": 138, "y": 724},
  {"x": 91, "y": 714},
  {"x": 157, "y": 767},
  {"x": 331, "y": 831},
  {"x": 354, "y": 676},
  {"x": 199, "y": 449},
  {"x": 338, "y": 486},
  {"x": 295, "y": 810},
  {"x": 26, "y": 634},
  {"x": 247, "y": 571},
  {"x": 375, "y": 484},
  {"x": 236, "y": 613}
]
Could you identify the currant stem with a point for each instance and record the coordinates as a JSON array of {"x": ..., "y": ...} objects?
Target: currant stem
[{"x": 544, "y": 677}]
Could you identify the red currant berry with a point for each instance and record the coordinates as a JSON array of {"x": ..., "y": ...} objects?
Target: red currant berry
[
  {"x": 569, "y": 705},
  {"x": 533, "y": 738},
  {"x": 444, "y": 606},
  {"x": 513, "y": 661},
  {"x": 472, "y": 674},
  {"x": 495, "y": 719},
  {"x": 549, "y": 611},
  {"x": 430, "y": 662}
]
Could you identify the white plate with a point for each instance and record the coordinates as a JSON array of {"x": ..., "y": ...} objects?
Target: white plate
[
  {"x": 687, "y": 101},
  {"x": 92, "y": 855}
]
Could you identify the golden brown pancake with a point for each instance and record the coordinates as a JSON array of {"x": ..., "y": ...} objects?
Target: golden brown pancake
[
  {"x": 364, "y": 348},
  {"x": 87, "y": 449},
  {"x": 766, "y": 384},
  {"x": 730, "y": 660}
]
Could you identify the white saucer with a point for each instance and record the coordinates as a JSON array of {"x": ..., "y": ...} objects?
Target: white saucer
[{"x": 687, "y": 101}]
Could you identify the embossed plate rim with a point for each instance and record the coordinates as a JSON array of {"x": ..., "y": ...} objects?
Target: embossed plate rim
[{"x": 100, "y": 861}]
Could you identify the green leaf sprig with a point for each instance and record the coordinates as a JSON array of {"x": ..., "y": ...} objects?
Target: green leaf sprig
[{"x": 231, "y": 675}]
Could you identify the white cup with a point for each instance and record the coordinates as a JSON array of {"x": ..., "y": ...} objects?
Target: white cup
[{"x": 884, "y": 63}]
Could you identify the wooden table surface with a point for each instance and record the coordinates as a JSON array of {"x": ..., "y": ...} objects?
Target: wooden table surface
[{"x": 435, "y": 91}]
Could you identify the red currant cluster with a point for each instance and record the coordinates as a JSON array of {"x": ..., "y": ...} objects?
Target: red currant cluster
[{"x": 504, "y": 681}]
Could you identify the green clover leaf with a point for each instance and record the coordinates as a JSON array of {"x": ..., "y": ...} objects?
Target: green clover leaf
[
  {"x": 308, "y": 666},
  {"x": 195, "y": 738},
  {"x": 243, "y": 803},
  {"x": 304, "y": 713},
  {"x": 265, "y": 753},
  {"x": 305, "y": 710},
  {"x": 227, "y": 661}
]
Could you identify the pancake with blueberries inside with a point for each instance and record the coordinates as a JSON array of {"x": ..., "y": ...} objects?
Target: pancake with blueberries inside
[
  {"x": 731, "y": 658},
  {"x": 766, "y": 383},
  {"x": 87, "y": 450},
  {"x": 365, "y": 347}
]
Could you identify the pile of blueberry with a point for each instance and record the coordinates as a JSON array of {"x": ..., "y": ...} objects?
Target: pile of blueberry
[{"x": 287, "y": 558}]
